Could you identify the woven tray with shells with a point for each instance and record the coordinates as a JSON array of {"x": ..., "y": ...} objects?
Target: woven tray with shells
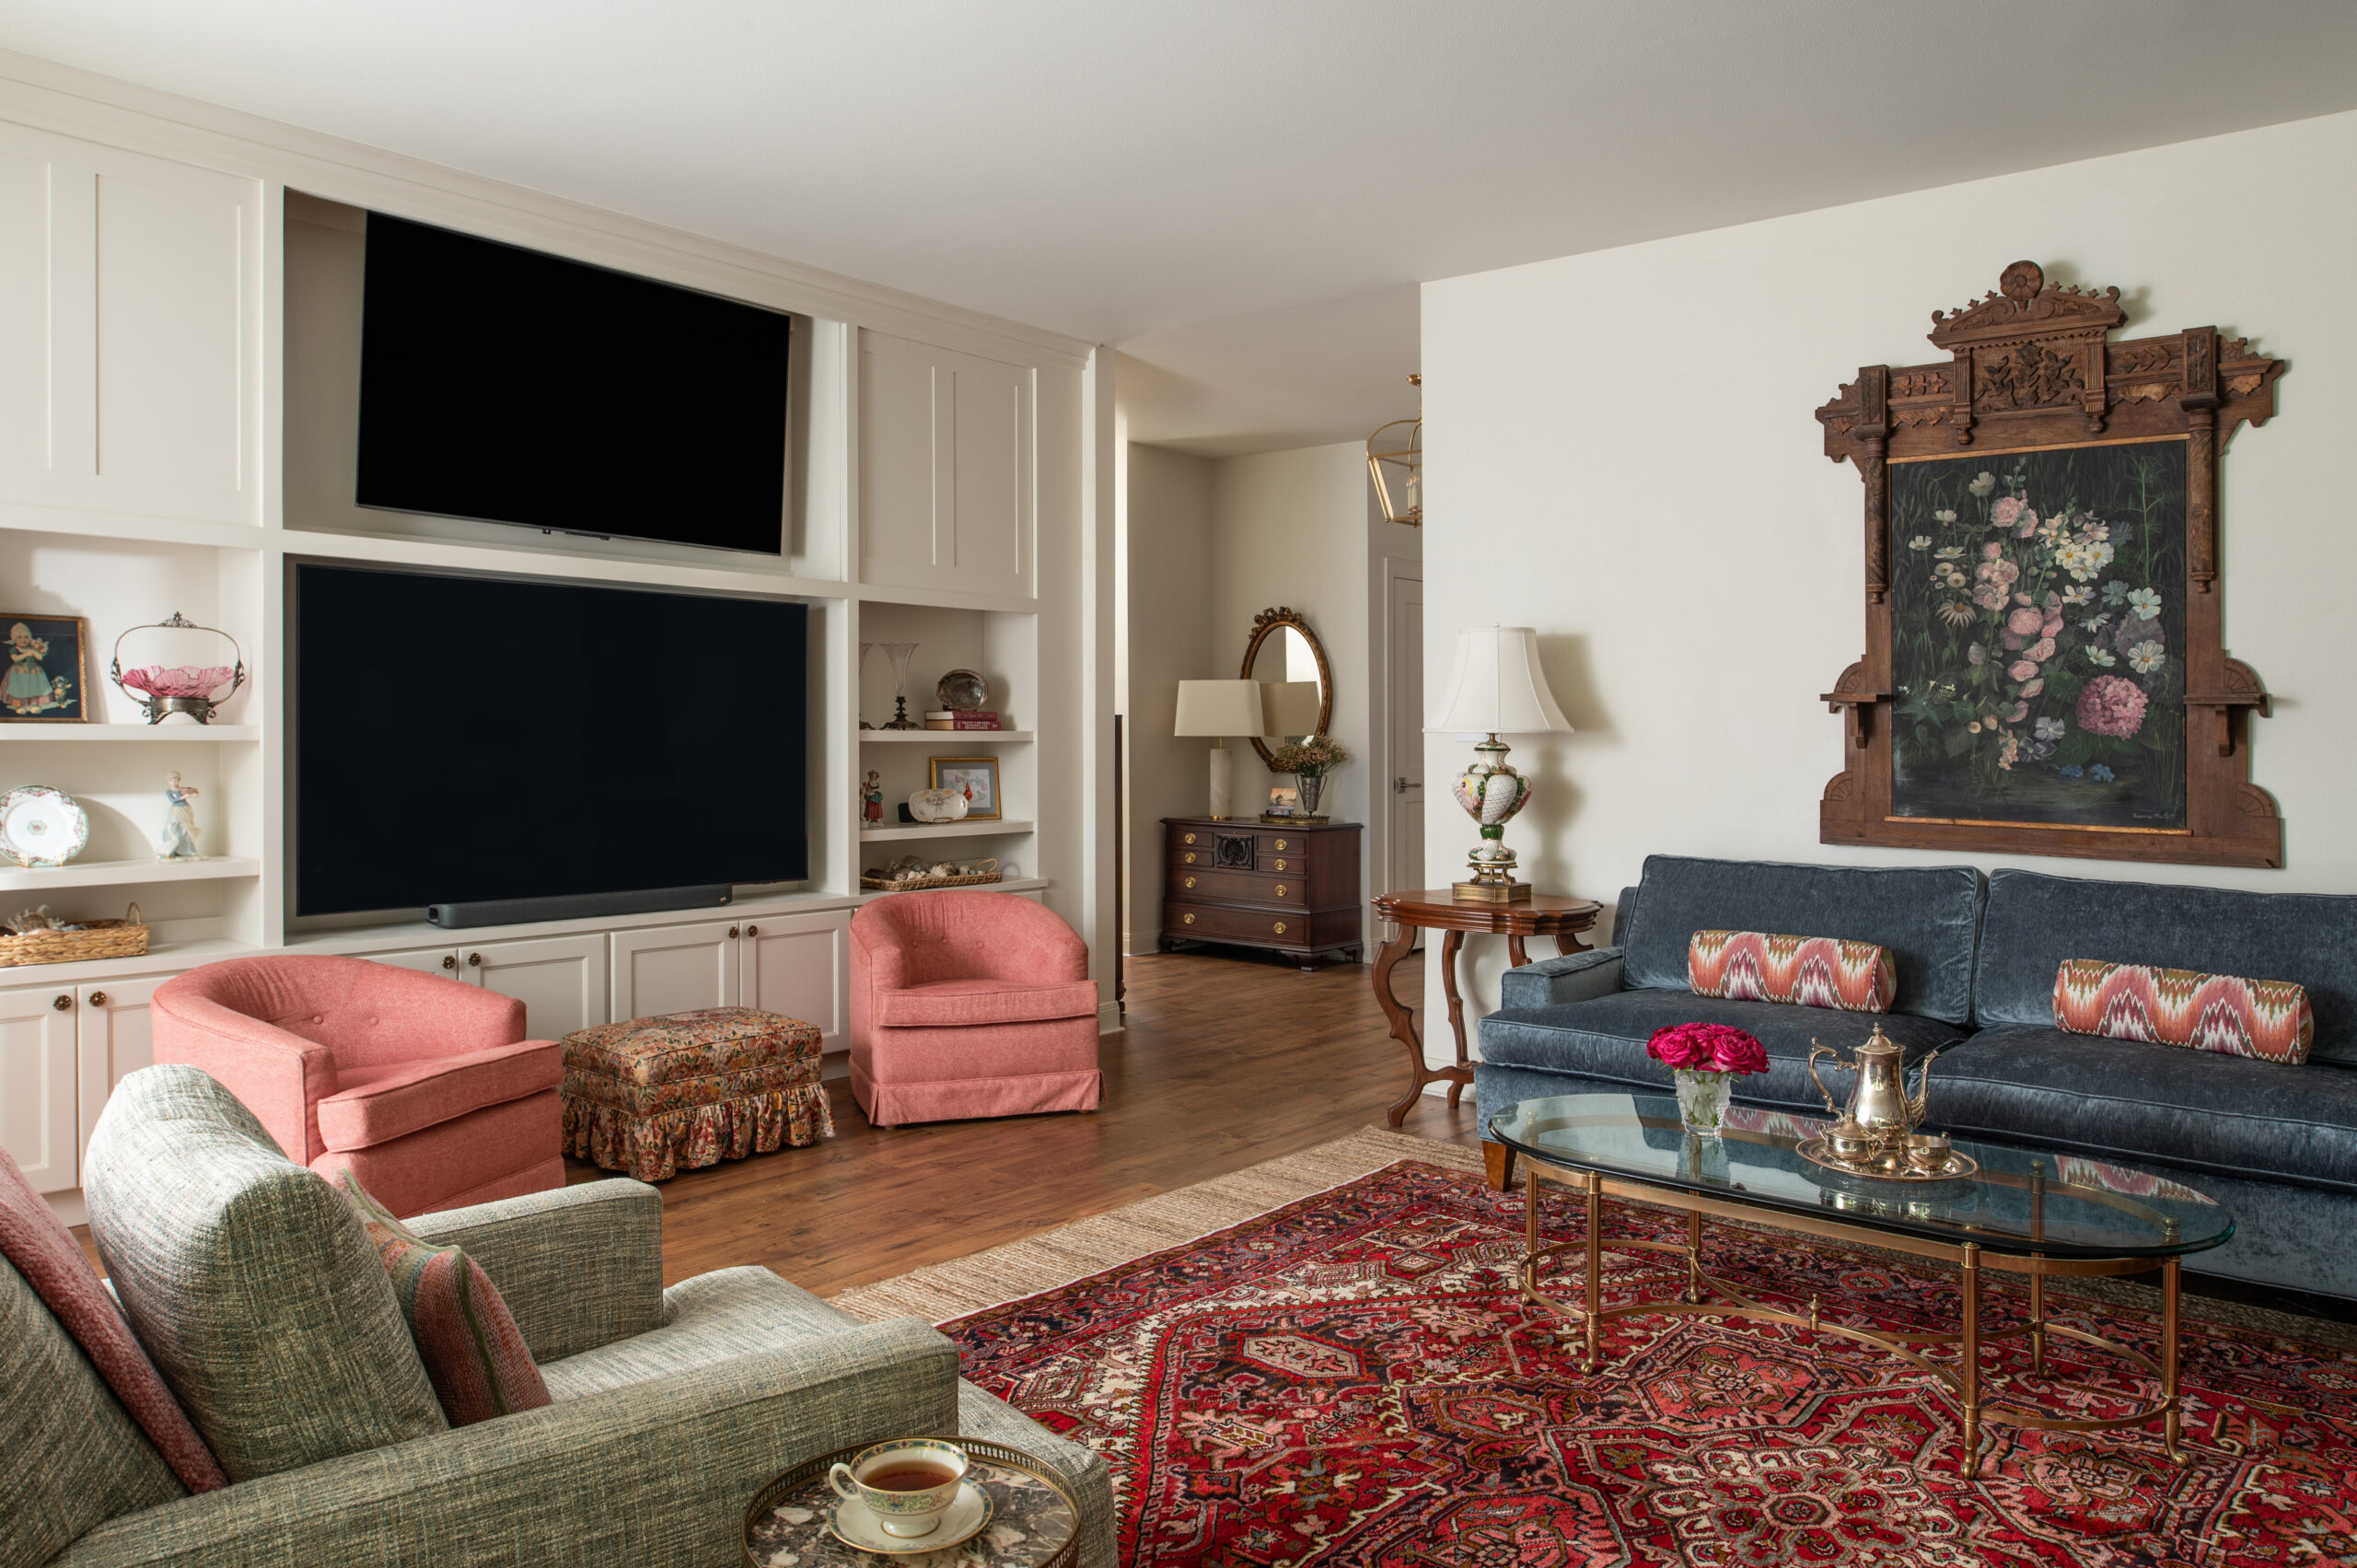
[
  {"x": 908, "y": 873},
  {"x": 36, "y": 937}
]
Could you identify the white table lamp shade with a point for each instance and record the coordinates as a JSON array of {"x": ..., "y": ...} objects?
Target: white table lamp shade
[
  {"x": 1497, "y": 687},
  {"x": 1289, "y": 707},
  {"x": 1218, "y": 707}
]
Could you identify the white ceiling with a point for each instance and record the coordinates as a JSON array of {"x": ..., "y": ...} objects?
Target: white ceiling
[{"x": 1200, "y": 181}]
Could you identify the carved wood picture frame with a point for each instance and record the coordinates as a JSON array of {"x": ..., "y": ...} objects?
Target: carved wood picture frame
[{"x": 2033, "y": 373}]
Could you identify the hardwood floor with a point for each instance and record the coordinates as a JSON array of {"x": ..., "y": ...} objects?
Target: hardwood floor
[{"x": 1225, "y": 1063}]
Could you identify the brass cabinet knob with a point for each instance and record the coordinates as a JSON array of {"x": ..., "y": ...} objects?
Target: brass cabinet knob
[
  {"x": 98, "y": 999},
  {"x": 1190, "y": 838},
  {"x": 1190, "y": 857},
  {"x": 752, "y": 931},
  {"x": 474, "y": 960},
  {"x": 1187, "y": 919},
  {"x": 1281, "y": 843},
  {"x": 1281, "y": 928},
  {"x": 1190, "y": 881},
  {"x": 1281, "y": 865},
  {"x": 64, "y": 1004},
  {"x": 449, "y": 960},
  {"x": 732, "y": 931},
  {"x": 1281, "y": 890}
]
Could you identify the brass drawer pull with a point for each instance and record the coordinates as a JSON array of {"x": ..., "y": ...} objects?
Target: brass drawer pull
[
  {"x": 1190, "y": 838},
  {"x": 752, "y": 931},
  {"x": 63, "y": 1004},
  {"x": 98, "y": 999},
  {"x": 1190, "y": 857},
  {"x": 1190, "y": 881},
  {"x": 1281, "y": 928},
  {"x": 449, "y": 960},
  {"x": 474, "y": 960},
  {"x": 1281, "y": 865},
  {"x": 1281, "y": 890},
  {"x": 1281, "y": 843},
  {"x": 1187, "y": 919}
]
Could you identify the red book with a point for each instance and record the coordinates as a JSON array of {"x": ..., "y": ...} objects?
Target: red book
[{"x": 975, "y": 718}]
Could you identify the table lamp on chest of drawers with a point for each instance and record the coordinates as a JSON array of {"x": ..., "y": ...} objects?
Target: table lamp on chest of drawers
[
  {"x": 1497, "y": 689},
  {"x": 1219, "y": 708}
]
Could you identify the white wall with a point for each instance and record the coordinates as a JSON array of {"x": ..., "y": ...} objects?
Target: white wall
[
  {"x": 1620, "y": 453},
  {"x": 1166, "y": 637}
]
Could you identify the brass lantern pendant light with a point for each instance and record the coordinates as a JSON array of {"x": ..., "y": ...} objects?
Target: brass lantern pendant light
[{"x": 1395, "y": 456}]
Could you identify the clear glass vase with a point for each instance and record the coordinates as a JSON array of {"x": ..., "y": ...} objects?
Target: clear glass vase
[{"x": 1702, "y": 1100}]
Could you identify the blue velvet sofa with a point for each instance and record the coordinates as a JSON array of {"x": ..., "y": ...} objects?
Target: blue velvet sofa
[{"x": 1976, "y": 959}]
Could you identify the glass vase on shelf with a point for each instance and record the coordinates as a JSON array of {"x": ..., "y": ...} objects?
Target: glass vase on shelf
[{"x": 899, "y": 654}]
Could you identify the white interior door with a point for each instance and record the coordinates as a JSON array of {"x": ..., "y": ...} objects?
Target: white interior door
[
  {"x": 37, "y": 1092},
  {"x": 1406, "y": 652},
  {"x": 795, "y": 965},
  {"x": 115, "y": 1035},
  {"x": 560, "y": 980},
  {"x": 674, "y": 969}
]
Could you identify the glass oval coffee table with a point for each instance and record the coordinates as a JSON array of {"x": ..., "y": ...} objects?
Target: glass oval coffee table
[{"x": 2024, "y": 1211}]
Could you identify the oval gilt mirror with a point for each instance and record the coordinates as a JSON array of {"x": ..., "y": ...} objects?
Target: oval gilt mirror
[{"x": 1287, "y": 657}]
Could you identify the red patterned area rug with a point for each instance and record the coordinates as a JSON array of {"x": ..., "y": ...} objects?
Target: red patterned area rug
[{"x": 1352, "y": 1381}]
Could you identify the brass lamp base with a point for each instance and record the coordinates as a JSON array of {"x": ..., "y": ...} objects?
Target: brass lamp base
[{"x": 1490, "y": 893}]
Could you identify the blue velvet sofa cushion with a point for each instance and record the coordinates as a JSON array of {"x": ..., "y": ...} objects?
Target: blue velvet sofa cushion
[
  {"x": 2035, "y": 922},
  {"x": 2195, "y": 1109},
  {"x": 1926, "y": 916},
  {"x": 1605, "y": 1039}
]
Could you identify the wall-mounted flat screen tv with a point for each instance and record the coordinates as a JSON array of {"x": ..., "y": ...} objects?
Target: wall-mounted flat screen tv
[
  {"x": 459, "y": 738},
  {"x": 505, "y": 385}
]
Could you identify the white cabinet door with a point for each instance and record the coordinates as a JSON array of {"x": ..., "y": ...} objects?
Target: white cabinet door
[
  {"x": 443, "y": 961},
  {"x": 797, "y": 965},
  {"x": 115, "y": 1035},
  {"x": 38, "y": 1124},
  {"x": 675, "y": 969},
  {"x": 945, "y": 468},
  {"x": 560, "y": 980},
  {"x": 129, "y": 331}
]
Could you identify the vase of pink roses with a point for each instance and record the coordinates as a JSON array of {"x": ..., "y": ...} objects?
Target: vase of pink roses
[{"x": 1703, "y": 1060}]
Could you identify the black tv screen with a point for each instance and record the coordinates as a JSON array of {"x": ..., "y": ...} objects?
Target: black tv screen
[
  {"x": 502, "y": 384},
  {"x": 460, "y": 738}
]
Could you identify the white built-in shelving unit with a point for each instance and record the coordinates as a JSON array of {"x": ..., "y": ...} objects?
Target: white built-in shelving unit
[{"x": 940, "y": 492}]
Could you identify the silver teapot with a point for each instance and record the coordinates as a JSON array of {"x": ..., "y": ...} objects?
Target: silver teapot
[{"x": 1880, "y": 1109}]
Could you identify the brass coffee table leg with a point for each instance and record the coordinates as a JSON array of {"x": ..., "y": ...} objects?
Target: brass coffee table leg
[
  {"x": 1594, "y": 1271},
  {"x": 1694, "y": 1256},
  {"x": 2038, "y": 1317},
  {"x": 2170, "y": 1423},
  {"x": 1971, "y": 1369}
]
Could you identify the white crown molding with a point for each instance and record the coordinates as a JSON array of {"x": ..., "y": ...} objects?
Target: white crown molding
[{"x": 57, "y": 97}]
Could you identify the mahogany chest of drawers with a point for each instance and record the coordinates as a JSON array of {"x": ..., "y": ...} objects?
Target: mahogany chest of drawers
[{"x": 1293, "y": 889}]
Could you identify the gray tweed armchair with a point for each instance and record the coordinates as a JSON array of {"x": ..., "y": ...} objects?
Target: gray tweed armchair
[{"x": 260, "y": 1300}]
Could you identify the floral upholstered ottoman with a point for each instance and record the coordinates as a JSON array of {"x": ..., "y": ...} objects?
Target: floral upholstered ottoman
[{"x": 650, "y": 1096}]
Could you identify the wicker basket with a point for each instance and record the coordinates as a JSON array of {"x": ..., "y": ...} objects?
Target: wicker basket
[
  {"x": 125, "y": 938},
  {"x": 912, "y": 884}
]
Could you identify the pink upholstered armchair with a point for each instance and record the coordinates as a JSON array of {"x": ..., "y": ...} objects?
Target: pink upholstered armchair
[
  {"x": 425, "y": 1087},
  {"x": 967, "y": 1005}
]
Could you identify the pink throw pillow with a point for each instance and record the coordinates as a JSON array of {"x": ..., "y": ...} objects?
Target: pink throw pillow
[
  {"x": 1810, "y": 971},
  {"x": 474, "y": 1355},
  {"x": 2268, "y": 1019}
]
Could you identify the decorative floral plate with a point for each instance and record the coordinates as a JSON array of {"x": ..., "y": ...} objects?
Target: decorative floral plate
[{"x": 41, "y": 825}]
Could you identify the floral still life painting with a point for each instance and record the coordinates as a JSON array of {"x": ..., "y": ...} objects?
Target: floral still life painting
[{"x": 2037, "y": 636}]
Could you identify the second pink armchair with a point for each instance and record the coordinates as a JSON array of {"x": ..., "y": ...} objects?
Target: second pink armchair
[
  {"x": 425, "y": 1087},
  {"x": 967, "y": 1005}
]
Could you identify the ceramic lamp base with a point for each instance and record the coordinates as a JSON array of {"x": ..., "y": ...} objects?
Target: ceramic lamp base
[{"x": 1222, "y": 781}]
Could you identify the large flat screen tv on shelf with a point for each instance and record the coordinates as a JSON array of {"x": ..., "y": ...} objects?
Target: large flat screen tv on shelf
[
  {"x": 461, "y": 740},
  {"x": 511, "y": 386}
]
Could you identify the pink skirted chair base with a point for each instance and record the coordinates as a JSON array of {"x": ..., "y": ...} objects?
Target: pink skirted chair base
[{"x": 652, "y": 1096}]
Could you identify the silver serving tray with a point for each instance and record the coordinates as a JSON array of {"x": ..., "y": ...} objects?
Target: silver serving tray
[{"x": 1886, "y": 1167}]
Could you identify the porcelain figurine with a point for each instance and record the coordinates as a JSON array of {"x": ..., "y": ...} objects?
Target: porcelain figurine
[
  {"x": 178, "y": 841},
  {"x": 871, "y": 800}
]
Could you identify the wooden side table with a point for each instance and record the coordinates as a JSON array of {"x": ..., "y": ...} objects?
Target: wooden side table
[{"x": 1435, "y": 910}]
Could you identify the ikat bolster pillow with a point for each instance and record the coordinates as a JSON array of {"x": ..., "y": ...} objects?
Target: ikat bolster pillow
[
  {"x": 1809, "y": 971},
  {"x": 2269, "y": 1019},
  {"x": 474, "y": 1355}
]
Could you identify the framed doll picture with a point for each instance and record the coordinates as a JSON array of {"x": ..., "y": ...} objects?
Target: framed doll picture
[{"x": 48, "y": 679}]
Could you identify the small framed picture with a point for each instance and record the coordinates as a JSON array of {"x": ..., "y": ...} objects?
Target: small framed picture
[
  {"x": 975, "y": 777},
  {"x": 1283, "y": 801},
  {"x": 49, "y": 669}
]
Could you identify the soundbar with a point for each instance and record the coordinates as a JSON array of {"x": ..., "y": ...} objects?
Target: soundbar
[{"x": 574, "y": 906}]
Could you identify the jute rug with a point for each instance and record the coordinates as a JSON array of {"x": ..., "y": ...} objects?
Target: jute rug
[{"x": 1323, "y": 1361}]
